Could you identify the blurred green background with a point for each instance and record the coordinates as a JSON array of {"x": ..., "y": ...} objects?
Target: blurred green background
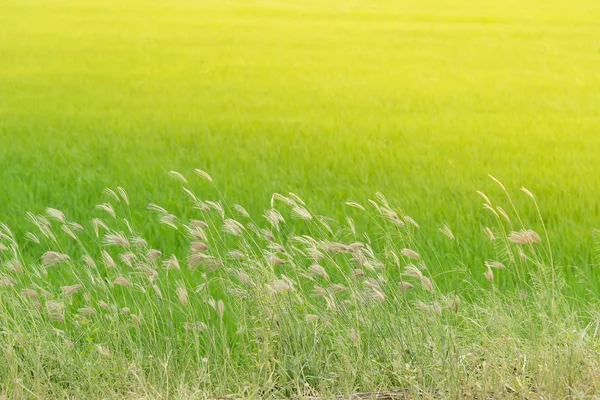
[{"x": 333, "y": 100}]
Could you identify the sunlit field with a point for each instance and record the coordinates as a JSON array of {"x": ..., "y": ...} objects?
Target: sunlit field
[{"x": 333, "y": 102}]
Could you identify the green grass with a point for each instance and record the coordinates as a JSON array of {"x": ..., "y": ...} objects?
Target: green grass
[{"x": 333, "y": 100}]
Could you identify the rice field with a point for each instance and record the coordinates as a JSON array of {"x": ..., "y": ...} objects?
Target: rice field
[{"x": 268, "y": 199}]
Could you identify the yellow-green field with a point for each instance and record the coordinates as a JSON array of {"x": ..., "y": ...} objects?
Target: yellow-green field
[{"x": 331, "y": 100}]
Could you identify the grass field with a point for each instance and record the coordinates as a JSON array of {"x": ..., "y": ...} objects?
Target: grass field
[{"x": 332, "y": 100}]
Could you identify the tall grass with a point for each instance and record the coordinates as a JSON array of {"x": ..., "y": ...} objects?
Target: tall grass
[{"x": 287, "y": 304}]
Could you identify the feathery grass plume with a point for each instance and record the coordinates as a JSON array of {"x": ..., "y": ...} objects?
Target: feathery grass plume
[
  {"x": 196, "y": 233},
  {"x": 157, "y": 291},
  {"x": 148, "y": 271},
  {"x": 494, "y": 264},
  {"x": 156, "y": 208},
  {"x": 68, "y": 231},
  {"x": 178, "y": 176},
  {"x": 410, "y": 254},
  {"x": 405, "y": 286},
  {"x": 128, "y": 258},
  {"x": 446, "y": 231},
  {"x": 192, "y": 196},
  {"x": 334, "y": 247},
  {"x": 243, "y": 277},
  {"x": 52, "y": 258},
  {"x": 299, "y": 212},
  {"x": 217, "y": 207},
  {"x": 238, "y": 293},
  {"x": 87, "y": 311},
  {"x": 116, "y": 239},
  {"x": 111, "y": 193},
  {"x": 351, "y": 225},
  {"x": 168, "y": 220},
  {"x": 193, "y": 261},
  {"x": 122, "y": 281},
  {"x": 153, "y": 255},
  {"x": 311, "y": 318},
  {"x": 75, "y": 226},
  {"x": 286, "y": 200},
  {"x": 182, "y": 294},
  {"x": 107, "y": 260},
  {"x": 7, "y": 281},
  {"x": 355, "y": 247},
  {"x": 427, "y": 284},
  {"x": 279, "y": 286},
  {"x": 296, "y": 198},
  {"x": 211, "y": 264},
  {"x": 56, "y": 215},
  {"x": 411, "y": 221},
  {"x": 173, "y": 263},
  {"x": 236, "y": 254},
  {"x": 107, "y": 208},
  {"x": 220, "y": 308},
  {"x": 357, "y": 273},
  {"x": 485, "y": 198},
  {"x": 527, "y": 192},
  {"x": 361, "y": 260},
  {"x": 314, "y": 254},
  {"x": 197, "y": 224},
  {"x": 123, "y": 195},
  {"x": 337, "y": 287},
  {"x": 103, "y": 305},
  {"x": 233, "y": 227},
  {"x": 316, "y": 269},
  {"x": 15, "y": 266},
  {"x": 241, "y": 210},
  {"x": 97, "y": 223},
  {"x": 139, "y": 242},
  {"x": 392, "y": 216},
  {"x": 268, "y": 235},
  {"x": 355, "y": 205},
  {"x": 203, "y": 175},
  {"x": 125, "y": 310},
  {"x": 198, "y": 247},
  {"x": 489, "y": 274},
  {"x": 104, "y": 351},
  {"x": 274, "y": 217},
  {"x": 524, "y": 236},
  {"x": 70, "y": 290},
  {"x": 29, "y": 293},
  {"x": 55, "y": 310},
  {"x": 277, "y": 248},
  {"x": 488, "y": 232},
  {"x": 319, "y": 291},
  {"x": 30, "y": 236},
  {"x": 40, "y": 222},
  {"x": 503, "y": 213},
  {"x": 274, "y": 260}
]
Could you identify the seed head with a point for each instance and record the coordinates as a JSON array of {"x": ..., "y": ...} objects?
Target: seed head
[
  {"x": 410, "y": 254},
  {"x": 316, "y": 269}
]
